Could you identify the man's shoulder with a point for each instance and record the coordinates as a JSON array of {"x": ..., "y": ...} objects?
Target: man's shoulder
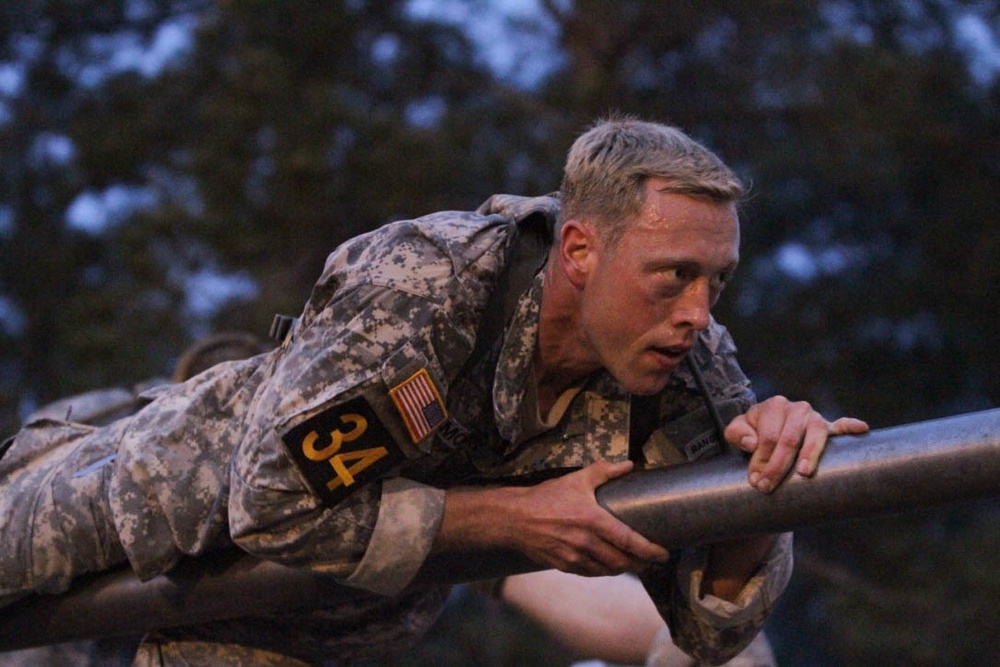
[
  {"x": 455, "y": 238},
  {"x": 468, "y": 234},
  {"x": 517, "y": 208},
  {"x": 424, "y": 253}
]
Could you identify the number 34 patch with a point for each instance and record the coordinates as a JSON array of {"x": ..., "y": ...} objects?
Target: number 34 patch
[{"x": 341, "y": 448}]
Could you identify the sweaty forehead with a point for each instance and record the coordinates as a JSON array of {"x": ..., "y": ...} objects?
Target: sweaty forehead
[
  {"x": 673, "y": 228},
  {"x": 671, "y": 211}
]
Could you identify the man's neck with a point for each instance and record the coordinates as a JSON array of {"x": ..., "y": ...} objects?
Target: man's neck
[{"x": 560, "y": 359}]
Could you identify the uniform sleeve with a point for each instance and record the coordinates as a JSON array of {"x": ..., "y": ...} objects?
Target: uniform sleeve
[
  {"x": 326, "y": 410},
  {"x": 709, "y": 628}
]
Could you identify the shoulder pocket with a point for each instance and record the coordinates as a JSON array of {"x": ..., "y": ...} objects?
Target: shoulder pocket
[{"x": 341, "y": 442}]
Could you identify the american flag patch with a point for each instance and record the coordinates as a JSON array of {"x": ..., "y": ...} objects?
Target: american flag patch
[{"x": 420, "y": 404}]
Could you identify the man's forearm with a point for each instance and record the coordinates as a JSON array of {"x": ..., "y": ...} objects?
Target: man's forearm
[
  {"x": 557, "y": 523},
  {"x": 478, "y": 518}
]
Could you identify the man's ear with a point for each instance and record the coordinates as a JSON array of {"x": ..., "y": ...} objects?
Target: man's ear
[{"x": 577, "y": 246}]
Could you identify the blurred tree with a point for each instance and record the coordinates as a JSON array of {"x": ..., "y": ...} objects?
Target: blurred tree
[
  {"x": 135, "y": 197},
  {"x": 71, "y": 314}
]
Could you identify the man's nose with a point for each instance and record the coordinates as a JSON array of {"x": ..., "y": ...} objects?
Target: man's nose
[{"x": 693, "y": 306}]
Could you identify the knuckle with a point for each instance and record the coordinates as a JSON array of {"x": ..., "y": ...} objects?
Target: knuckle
[
  {"x": 816, "y": 420},
  {"x": 578, "y": 541},
  {"x": 575, "y": 560},
  {"x": 789, "y": 440},
  {"x": 621, "y": 544}
]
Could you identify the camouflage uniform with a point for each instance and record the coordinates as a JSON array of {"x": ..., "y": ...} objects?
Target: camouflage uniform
[{"x": 337, "y": 447}]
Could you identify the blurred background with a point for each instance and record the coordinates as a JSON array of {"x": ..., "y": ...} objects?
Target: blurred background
[{"x": 172, "y": 168}]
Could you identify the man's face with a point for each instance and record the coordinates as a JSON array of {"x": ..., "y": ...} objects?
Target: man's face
[{"x": 646, "y": 298}]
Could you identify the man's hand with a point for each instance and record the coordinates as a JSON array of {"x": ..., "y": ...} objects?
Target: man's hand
[
  {"x": 780, "y": 434},
  {"x": 557, "y": 523},
  {"x": 563, "y": 526}
]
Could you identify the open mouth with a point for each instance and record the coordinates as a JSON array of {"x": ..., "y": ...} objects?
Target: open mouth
[{"x": 674, "y": 352}]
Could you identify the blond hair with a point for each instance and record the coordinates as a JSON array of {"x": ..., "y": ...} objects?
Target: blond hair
[{"x": 607, "y": 167}]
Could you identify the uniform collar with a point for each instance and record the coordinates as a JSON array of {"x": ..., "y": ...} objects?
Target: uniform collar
[{"x": 514, "y": 368}]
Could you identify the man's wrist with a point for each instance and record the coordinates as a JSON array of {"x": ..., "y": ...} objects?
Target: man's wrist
[{"x": 479, "y": 518}]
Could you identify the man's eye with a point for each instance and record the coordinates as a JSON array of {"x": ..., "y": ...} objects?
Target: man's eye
[
  {"x": 723, "y": 278},
  {"x": 669, "y": 282},
  {"x": 678, "y": 275}
]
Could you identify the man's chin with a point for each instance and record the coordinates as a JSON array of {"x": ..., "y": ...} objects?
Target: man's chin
[{"x": 647, "y": 385}]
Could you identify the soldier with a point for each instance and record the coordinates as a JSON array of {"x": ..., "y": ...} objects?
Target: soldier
[{"x": 440, "y": 369}]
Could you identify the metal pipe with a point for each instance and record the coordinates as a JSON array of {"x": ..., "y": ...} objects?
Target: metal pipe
[
  {"x": 904, "y": 467},
  {"x": 911, "y": 466}
]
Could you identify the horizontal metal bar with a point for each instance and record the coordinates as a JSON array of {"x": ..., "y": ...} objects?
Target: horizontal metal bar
[
  {"x": 904, "y": 467},
  {"x": 912, "y": 466}
]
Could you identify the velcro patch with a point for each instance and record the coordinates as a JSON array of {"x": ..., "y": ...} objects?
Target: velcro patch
[
  {"x": 419, "y": 403},
  {"x": 341, "y": 449}
]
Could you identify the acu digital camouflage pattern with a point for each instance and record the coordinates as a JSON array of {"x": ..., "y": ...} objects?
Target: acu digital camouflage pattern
[{"x": 204, "y": 463}]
